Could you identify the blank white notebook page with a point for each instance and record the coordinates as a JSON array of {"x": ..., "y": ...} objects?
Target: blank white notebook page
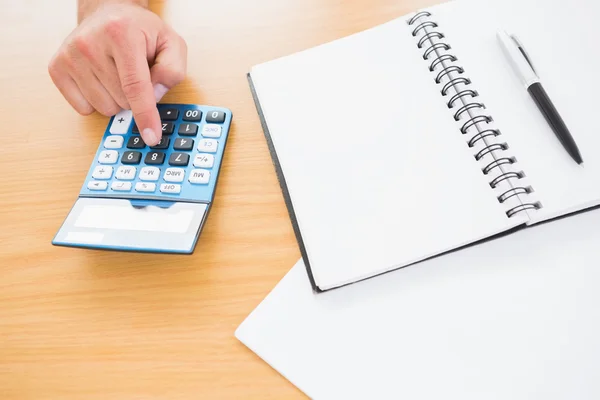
[
  {"x": 561, "y": 38},
  {"x": 512, "y": 319},
  {"x": 377, "y": 170}
]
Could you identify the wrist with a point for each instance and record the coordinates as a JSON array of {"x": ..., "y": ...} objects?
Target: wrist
[{"x": 87, "y": 7}]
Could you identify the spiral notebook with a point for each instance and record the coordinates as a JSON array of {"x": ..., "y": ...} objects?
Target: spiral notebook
[{"x": 416, "y": 138}]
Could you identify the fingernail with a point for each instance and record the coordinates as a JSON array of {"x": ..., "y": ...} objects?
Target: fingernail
[
  {"x": 160, "y": 91},
  {"x": 149, "y": 137}
]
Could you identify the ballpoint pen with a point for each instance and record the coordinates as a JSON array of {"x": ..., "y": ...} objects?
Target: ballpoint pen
[{"x": 522, "y": 65}]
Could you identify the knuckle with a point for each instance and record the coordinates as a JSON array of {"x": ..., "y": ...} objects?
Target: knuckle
[
  {"x": 83, "y": 45},
  {"x": 58, "y": 62},
  {"x": 132, "y": 86},
  {"x": 53, "y": 68},
  {"x": 115, "y": 27},
  {"x": 67, "y": 59}
]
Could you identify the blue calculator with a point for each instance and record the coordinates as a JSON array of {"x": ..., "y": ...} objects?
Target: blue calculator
[{"x": 150, "y": 199}]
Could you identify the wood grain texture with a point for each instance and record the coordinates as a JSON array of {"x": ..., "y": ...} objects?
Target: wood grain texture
[{"x": 78, "y": 324}]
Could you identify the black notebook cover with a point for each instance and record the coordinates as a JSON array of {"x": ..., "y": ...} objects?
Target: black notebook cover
[{"x": 284, "y": 189}]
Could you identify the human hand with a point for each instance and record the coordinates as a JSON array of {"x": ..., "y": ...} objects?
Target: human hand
[{"x": 121, "y": 56}]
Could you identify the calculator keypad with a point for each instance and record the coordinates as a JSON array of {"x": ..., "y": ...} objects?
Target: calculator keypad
[
  {"x": 167, "y": 128},
  {"x": 217, "y": 117},
  {"x": 149, "y": 174},
  {"x": 113, "y": 142},
  {"x": 204, "y": 160},
  {"x": 188, "y": 129},
  {"x": 126, "y": 173},
  {"x": 211, "y": 131},
  {"x": 183, "y": 144},
  {"x": 155, "y": 158},
  {"x": 97, "y": 185},
  {"x": 192, "y": 115},
  {"x": 131, "y": 157},
  {"x": 170, "y": 188},
  {"x": 168, "y": 114},
  {"x": 136, "y": 142},
  {"x": 121, "y": 186},
  {"x": 208, "y": 145},
  {"x": 121, "y": 122},
  {"x": 200, "y": 176},
  {"x": 183, "y": 165},
  {"x": 108, "y": 157},
  {"x": 102, "y": 172},
  {"x": 174, "y": 175},
  {"x": 163, "y": 144},
  {"x": 145, "y": 187}
]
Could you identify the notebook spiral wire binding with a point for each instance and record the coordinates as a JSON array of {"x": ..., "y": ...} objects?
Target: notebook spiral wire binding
[{"x": 450, "y": 76}]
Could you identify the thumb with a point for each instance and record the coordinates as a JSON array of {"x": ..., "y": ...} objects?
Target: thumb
[{"x": 170, "y": 63}]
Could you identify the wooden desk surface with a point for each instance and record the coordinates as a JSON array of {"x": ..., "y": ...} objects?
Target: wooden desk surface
[{"x": 77, "y": 324}]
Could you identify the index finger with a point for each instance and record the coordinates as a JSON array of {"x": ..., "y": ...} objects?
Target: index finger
[{"x": 134, "y": 75}]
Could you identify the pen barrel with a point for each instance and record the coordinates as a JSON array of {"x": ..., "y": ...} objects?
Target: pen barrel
[
  {"x": 550, "y": 113},
  {"x": 517, "y": 59}
]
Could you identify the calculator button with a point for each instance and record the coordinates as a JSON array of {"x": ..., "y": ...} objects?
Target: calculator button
[
  {"x": 192, "y": 115},
  {"x": 131, "y": 157},
  {"x": 102, "y": 172},
  {"x": 145, "y": 187},
  {"x": 188, "y": 129},
  {"x": 217, "y": 117},
  {"x": 97, "y": 185},
  {"x": 149, "y": 174},
  {"x": 180, "y": 159},
  {"x": 135, "y": 142},
  {"x": 135, "y": 129},
  {"x": 108, "y": 157},
  {"x": 167, "y": 128},
  {"x": 204, "y": 160},
  {"x": 113, "y": 142},
  {"x": 200, "y": 176},
  {"x": 155, "y": 158},
  {"x": 170, "y": 188},
  {"x": 183, "y": 144},
  {"x": 169, "y": 114},
  {"x": 174, "y": 175},
  {"x": 163, "y": 144},
  {"x": 125, "y": 173},
  {"x": 207, "y": 145},
  {"x": 211, "y": 130},
  {"x": 121, "y": 122},
  {"x": 121, "y": 186}
]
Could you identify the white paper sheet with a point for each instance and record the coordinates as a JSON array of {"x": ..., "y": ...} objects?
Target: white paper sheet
[{"x": 517, "y": 318}]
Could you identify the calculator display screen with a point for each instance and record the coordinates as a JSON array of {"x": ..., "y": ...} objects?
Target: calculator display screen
[
  {"x": 159, "y": 226},
  {"x": 148, "y": 219}
]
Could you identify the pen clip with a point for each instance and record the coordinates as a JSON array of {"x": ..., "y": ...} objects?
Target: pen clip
[{"x": 523, "y": 51}]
